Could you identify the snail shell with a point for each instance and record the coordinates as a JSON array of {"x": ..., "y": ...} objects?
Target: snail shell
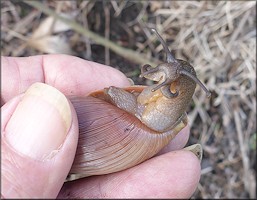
[{"x": 111, "y": 139}]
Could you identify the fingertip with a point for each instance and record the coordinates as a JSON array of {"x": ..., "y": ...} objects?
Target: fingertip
[
  {"x": 40, "y": 122},
  {"x": 24, "y": 173},
  {"x": 177, "y": 175},
  {"x": 187, "y": 173}
]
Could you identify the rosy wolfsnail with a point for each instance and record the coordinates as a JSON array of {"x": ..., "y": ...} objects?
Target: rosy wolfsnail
[{"x": 120, "y": 128}]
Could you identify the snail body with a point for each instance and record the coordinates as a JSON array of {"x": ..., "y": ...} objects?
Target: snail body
[{"x": 122, "y": 127}]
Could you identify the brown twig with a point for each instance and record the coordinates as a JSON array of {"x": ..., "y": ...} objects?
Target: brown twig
[{"x": 126, "y": 53}]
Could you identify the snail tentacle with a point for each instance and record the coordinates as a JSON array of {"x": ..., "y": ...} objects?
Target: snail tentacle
[
  {"x": 194, "y": 78},
  {"x": 146, "y": 71},
  {"x": 170, "y": 57},
  {"x": 166, "y": 82}
]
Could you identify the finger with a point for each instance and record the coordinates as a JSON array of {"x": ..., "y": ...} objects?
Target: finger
[
  {"x": 172, "y": 175},
  {"x": 69, "y": 74},
  {"x": 39, "y": 139}
]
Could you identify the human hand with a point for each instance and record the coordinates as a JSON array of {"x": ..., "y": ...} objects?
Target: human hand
[{"x": 40, "y": 133}]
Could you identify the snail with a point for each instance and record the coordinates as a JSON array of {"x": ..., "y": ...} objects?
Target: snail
[{"x": 122, "y": 127}]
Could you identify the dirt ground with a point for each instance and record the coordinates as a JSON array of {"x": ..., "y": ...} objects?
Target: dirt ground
[{"x": 217, "y": 38}]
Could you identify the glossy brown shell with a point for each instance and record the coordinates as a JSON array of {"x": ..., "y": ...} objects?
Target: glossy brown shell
[{"x": 110, "y": 139}]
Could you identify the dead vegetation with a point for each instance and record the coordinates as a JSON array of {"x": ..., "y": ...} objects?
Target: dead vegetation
[{"x": 217, "y": 38}]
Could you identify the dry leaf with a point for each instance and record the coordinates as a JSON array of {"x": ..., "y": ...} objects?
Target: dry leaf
[
  {"x": 46, "y": 39},
  {"x": 52, "y": 44}
]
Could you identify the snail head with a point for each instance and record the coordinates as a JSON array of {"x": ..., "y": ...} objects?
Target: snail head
[{"x": 166, "y": 73}]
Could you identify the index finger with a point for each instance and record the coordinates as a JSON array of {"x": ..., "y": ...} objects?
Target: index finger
[{"x": 69, "y": 74}]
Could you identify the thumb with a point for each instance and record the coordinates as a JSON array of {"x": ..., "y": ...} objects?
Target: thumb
[{"x": 39, "y": 139}]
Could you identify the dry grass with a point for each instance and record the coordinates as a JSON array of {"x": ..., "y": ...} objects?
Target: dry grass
[{"x": 217, "y": 38}]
